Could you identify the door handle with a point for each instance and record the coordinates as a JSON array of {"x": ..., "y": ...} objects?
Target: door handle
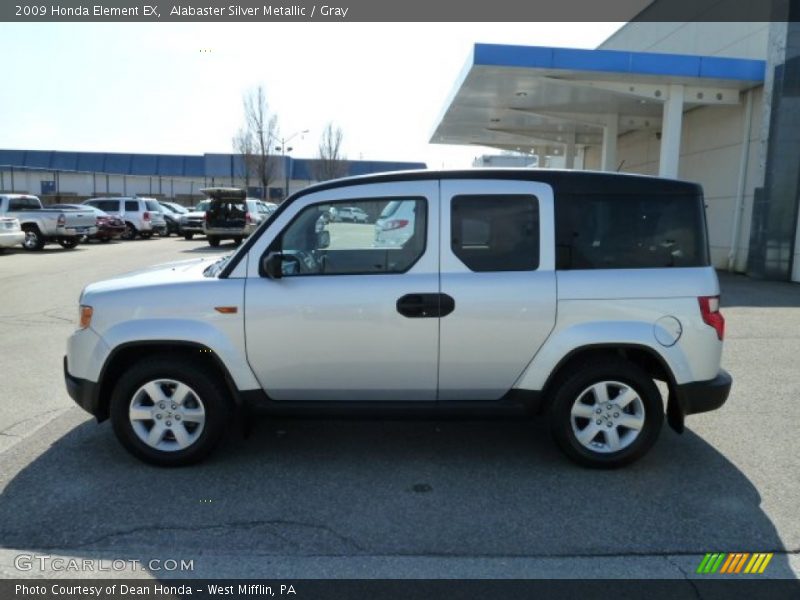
[{"x": 416, "y": 306}]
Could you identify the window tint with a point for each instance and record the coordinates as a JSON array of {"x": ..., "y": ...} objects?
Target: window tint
[
  {"x": 131, "y": 206},
  {"x": 317, "y": 243},
  {"x": 24, "y": 203},
  {"x": 630, "y": 232},
  {"x": 496, "y": 233},
  {"x": 106, "y": 205}
]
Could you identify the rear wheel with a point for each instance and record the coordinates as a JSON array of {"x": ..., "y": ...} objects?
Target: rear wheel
[
  {"x": 105, "y": 240},
  {"x": 129, "y": 233},
  {"x": 169, "y": 412},
  {"x": 213, "y": 241},
  {"x": 145, "y": 236},
  {"x": 607, "y": 414},
  {"x": 68, "y": 243},
  {"x": 34, "y": 240},
  {"x": 188, "y": 236}
]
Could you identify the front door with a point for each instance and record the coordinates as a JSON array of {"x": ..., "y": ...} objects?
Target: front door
[{"x": 347, "y": 321}]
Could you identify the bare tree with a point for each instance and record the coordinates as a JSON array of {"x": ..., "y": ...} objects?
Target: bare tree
[
  {"x": 260, "y": 129},
  {"x": 331, "y": 162},
  {"x": 243, "y": 144}
]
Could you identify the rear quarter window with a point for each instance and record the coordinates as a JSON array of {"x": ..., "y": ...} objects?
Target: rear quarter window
[
  {"x": 631, "y": 231},
  {"x": 131, "y": 206}
]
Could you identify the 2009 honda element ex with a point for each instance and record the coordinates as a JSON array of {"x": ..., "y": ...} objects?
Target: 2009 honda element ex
[{"x": 567, "y": 294}]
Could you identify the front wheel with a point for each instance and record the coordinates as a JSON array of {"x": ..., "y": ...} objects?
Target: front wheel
[
  {"x": 145, "y": 236},
  {"x": 169, "y": 412},
  {"x": 607, "y": 414},
  {"x": 213, "y": 241},
  {"x": 68, "y": 243},
  {"x": 188, "y": 236}
]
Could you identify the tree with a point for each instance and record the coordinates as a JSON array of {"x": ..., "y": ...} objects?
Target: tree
[
  {"x": 258, "y": 136},
  {"x": 331, "y": 162},
  {"x": 244, "y": 146}
]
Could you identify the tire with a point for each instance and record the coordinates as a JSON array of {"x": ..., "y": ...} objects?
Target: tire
[
  {"x": 237, "y": 241},
  {"x": 105, "y": 240},
  {"x": 68, "y": 243},
  {"x": 188, "y": 236},
  {"x": 129, "y": 233},
  {"x": 145, "y": 236},
  {"x": 33, "y": 238},
  {"x": 197, "y": 422},
  {"x": 213, "y": 241},
  {"x": 623, "y": 433}
]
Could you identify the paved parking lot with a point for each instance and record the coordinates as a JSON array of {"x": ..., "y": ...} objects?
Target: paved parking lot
[{"x": 329, "y": 498}]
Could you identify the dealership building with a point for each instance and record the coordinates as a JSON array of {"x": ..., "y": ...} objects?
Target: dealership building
[
  {"x": 73, "y": 176},
  {"x": 715, "y": 103}
]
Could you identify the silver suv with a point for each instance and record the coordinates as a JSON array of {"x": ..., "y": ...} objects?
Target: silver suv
[
  {"x": 513, "y": 292},
  {"x": 142, "y": 216}
]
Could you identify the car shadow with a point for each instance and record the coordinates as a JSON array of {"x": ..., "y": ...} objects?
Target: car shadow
[
  {"x": 741, "y": 290},
  {"x": 384, "y": 488},
  {"x": 46, "y": 251},
  {"x": 211, "y": 250}
]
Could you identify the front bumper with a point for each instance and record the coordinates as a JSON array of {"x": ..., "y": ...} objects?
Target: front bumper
[
  {"x": 82, "y": 391},
  {"x": 703, "y": 396}
]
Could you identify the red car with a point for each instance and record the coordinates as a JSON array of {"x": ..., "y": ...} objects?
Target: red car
[{"x": 108, "y": 227}]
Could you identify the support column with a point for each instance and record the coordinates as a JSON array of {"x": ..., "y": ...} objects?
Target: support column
[
  {"x": 671, "y": 132},
  {"x": 569, "y": 152},
  {"x": 610, "y": 133}
]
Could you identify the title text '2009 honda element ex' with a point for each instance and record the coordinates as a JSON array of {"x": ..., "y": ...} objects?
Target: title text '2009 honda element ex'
[{"x": 509, "y": 291}]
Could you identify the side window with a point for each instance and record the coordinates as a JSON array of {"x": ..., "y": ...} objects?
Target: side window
[
  {"x": 131, "y": 206},
  {"x": 496, "y": 233},
  {"x": 110, "y": 206},
  {"x": 23, "y": 204},
  {"x": 599, "y": 231},
  {"x": 390, "y": 241}
]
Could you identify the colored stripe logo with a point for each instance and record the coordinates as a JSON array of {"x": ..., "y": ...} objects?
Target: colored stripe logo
[{"x": 732, "y": 563}]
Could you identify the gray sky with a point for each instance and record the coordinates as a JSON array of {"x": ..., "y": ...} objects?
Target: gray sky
[{"x": 140, "y": 87}]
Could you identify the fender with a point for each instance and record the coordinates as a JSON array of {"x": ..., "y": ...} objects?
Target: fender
[
  {"x": 188, "y": 331},
  {"x": 606, "y": 333}
]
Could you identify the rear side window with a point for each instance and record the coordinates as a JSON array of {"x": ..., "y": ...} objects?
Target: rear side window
[
  {"x": 599, "y": 231},
  {"x": 106, "y": 205},
  {"x": 496, "y": 233},
  {"x": 23, "y": 203},
  {"x": 131, "y": 206}
]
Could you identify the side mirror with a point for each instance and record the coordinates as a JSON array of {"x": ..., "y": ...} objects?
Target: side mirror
[
  {"x": 323, "y": 239},
  {"x": 272, "y": 265}
]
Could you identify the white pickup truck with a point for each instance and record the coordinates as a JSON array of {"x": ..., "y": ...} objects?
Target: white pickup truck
[{"x": 43, "y": 226}]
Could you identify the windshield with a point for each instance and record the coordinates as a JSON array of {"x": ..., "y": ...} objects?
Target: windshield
[
  {"x": 152, "y": 205},
  {"x": 202, "y": 206},
  {"x": 390, "y": 208}
]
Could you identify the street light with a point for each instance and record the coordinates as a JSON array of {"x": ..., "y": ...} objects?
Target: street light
[{"x": 284, "y": 150}]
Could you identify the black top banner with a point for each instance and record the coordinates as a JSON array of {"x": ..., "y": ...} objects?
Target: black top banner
[{"x": 398, "y": 10}]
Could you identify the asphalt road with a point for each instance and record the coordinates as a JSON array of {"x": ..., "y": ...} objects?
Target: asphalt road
[{"x": 389, "y": 499}]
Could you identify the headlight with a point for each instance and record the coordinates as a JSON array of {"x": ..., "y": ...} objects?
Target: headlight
[{"x": 85, "y": 316}]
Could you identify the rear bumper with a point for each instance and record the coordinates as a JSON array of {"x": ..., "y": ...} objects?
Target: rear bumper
[
  {"x": 82, "y": 391},
  {"x": 703, "y": 396}
]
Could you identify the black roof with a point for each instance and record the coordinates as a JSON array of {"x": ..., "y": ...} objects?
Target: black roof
[{"x": 565, "y": 182}]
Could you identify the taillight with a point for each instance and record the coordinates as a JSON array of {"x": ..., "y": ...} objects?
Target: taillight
[
  {"x": 248, "y": 218},
  {"x": 709, "y": 309},
  {"x": 62, "y": 220},
  {"x": 146, "y": 216},
  {"x": 395, "y": 224}
]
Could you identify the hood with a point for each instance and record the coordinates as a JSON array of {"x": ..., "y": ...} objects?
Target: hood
[{"x": 157, "y": 275}]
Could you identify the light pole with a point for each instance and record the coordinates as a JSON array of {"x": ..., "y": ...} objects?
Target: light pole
[{"x": 284, "y": 150}]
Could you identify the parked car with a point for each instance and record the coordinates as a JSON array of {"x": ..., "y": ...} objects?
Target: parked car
[
  {"x": 142, "y": 216},
  {"x": 192, "y": 221},
  {"x": 172, "y": 215},
  {"x": 45, "y": 225},
  {"x": 11, "y": 233},
  {"x": 396, "y": 223},
  {"x": 231, "y": 215},
  {"x": 351, "y": 214},
  {"x": 518, "y": 292},
  {"x": 108, "y": 227}
]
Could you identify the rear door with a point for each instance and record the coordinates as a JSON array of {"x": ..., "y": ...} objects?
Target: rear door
[{"x": 497, "y": 263}]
